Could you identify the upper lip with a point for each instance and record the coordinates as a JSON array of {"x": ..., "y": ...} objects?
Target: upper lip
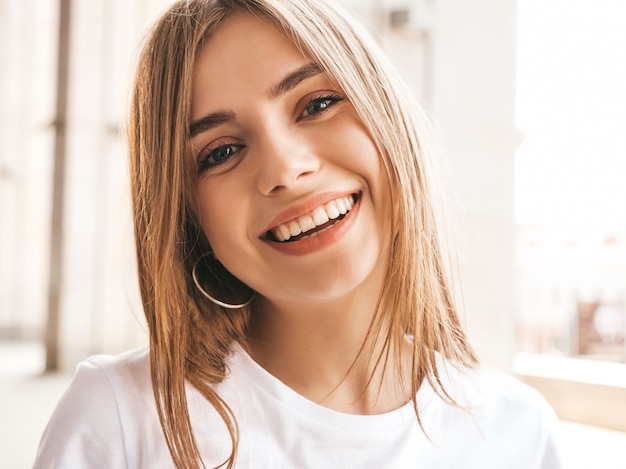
[{"x": 302, "y": 209}]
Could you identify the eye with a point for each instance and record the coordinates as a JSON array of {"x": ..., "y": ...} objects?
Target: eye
[
  {"x": 319, "y": 105},
  {"x": 217, "y": 156}
]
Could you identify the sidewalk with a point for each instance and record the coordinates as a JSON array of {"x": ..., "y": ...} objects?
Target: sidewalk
[{"x": 27, "y": 399}]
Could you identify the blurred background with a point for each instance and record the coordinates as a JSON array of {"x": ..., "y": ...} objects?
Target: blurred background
[{"x": 530, "y": 99}]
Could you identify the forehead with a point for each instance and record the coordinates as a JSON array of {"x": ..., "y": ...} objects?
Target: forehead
[{"x": 246, "y": 54}]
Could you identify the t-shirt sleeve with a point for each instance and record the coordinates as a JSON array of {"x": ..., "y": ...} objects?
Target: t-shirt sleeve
[
  {"x": 517, "y": 427},
  {"x": 550, "y": 457},
  {"x": 529, "y": 426},
  {"x": 84, "y": 430}
]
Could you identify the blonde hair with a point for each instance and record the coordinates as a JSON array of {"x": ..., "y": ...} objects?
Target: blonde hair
[{"x": 190, "y": 337}]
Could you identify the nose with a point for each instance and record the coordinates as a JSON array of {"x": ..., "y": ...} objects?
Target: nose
[{"x": 287, "y": 160}]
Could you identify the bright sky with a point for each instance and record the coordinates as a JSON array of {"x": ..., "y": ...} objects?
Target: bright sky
[{"x": 571, "y": 110}]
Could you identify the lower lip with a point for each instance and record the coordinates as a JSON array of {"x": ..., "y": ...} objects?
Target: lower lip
[{"x": 322, "y": 240}]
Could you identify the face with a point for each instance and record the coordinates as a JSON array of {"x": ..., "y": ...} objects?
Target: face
[{"x": 291, "y": 192}]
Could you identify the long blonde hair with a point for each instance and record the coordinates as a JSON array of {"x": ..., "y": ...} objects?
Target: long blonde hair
[{"x": 190, "y": 337}]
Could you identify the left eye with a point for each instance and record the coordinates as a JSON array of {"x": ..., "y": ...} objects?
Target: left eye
[
  {"x": 319, "y": 105},
  {"x": 217, "y": 156}
]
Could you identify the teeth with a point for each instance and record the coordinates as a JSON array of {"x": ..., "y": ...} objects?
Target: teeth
[
  {"x": 306, "y": 223},
  {"x": 282, "y": 232},
  {"x": 317, "y": 217},
  {"x": 294, "y": 228},
  {"x": 341, "y": 206},
  {"x": 332, "y": 210}
]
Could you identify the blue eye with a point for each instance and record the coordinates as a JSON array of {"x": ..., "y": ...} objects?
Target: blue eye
[
  {"x": 319, "y": 105},
  {"x": 217, "y": 156}
]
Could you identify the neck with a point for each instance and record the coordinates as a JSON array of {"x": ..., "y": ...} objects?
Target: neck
[{"x": 316, "y": 349}]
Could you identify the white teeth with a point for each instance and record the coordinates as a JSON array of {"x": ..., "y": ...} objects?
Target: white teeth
[
  {"x": 341, "y": 206},
  {"x": 306, "y": 223},
  {"x": 294, "y": 228},
  {"x": 321, "y": 215},
  {"x": 332, "y": 210},
  {"x": 282, "y": 233}
]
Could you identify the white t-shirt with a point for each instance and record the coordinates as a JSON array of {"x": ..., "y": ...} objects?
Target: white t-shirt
[{"x": 107, "y": 419}]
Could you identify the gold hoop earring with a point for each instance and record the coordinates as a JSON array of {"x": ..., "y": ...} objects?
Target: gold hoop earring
[{"x": 218, "y": 281}]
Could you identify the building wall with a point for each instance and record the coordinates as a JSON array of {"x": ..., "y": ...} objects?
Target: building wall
[{"x": 474, "y": 103}]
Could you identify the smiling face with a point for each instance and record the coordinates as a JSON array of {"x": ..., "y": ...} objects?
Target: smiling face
[{"x": 291, "y": 192}]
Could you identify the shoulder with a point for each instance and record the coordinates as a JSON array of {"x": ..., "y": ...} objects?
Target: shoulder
[
  {"x": 121, "y": 378},
  {"x": 92, "y": 422},
  {"x": 493, "y": 394},
  {"x": 128, "y": 369},
  {"x": 102, "y": 378},
  {"x": 135, "y": 359},
  {"x": 499, "y": 417}
]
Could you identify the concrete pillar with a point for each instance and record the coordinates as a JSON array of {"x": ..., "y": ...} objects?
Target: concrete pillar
[{"x": 101, "y": 307}]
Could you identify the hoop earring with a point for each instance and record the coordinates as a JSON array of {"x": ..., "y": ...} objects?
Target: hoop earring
[{"x": 218, "y": 280}]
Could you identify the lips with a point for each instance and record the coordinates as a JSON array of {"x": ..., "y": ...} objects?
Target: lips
[{"x": 314, "y": 222}]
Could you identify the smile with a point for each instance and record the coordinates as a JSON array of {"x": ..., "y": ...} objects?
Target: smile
[{"x": 315, "y": 222}]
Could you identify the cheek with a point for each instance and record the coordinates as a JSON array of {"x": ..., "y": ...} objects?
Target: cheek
[
  {"x": 367, "y": 162},
  {"x": 213, "y": 215},
  {"x": 371, "y": 165},
  {"x": 225, "y": 217},
  {"x": 359, "y": 146}
]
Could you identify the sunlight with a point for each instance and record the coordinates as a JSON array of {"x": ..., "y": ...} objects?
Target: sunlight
[{"x": 571, "y": 111}]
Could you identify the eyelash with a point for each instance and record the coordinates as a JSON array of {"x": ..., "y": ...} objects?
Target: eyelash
[
  {"x": 330, "y": 101},
  {"x": 204, "y": 162}
]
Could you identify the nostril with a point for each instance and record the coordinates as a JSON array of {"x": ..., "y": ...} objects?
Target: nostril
[{"x": 282, "y": 171}]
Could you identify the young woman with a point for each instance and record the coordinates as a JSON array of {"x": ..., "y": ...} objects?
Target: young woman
[{"x": 293, "y": 281}]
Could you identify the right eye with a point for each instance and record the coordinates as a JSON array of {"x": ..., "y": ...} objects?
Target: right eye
[{"x": 215, "y": 156}]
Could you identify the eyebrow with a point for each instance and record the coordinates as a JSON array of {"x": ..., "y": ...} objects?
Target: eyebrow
[
  {"x": 295, "y": 78},
  {"x": 210, "y": 121},
  {"x": 292, "y": 80}
]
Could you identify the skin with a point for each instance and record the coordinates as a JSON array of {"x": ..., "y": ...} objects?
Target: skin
[{"x": 282, "y": 151}]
